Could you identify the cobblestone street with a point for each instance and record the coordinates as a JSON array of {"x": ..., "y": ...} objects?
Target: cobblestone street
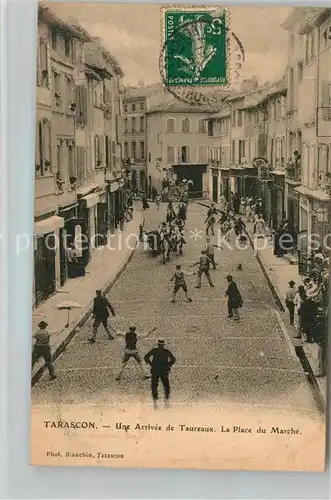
[{"x": 219, "y": 361}]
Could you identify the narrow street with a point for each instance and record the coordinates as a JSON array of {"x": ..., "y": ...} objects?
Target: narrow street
[{"x": 219, "y": 361}]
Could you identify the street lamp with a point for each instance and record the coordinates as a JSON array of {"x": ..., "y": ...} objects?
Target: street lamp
[{"x": 321, "y": 214}]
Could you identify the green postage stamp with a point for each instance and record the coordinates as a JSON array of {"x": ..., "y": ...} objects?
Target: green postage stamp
[{"x": 195, "y": 46}]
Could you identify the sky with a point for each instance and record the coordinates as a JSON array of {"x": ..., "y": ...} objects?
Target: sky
[{"x": 131, "y": 32}]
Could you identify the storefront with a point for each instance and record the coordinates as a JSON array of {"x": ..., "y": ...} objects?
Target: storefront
[
  {"x": 88, "y": 220},
  {"x": 277, "y": 200},
  {"x": 115, "y": 203},
  {"x": 46, "y": 257},
  {"x": 102, "y": 220},
  {"x": 292, "y": 209},
  {"x": 66, "y": 236},
  {"x": 225, "y": 182}
]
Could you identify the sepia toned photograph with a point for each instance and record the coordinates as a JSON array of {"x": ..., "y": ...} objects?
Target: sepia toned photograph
[{"x": 182, "y": 220}]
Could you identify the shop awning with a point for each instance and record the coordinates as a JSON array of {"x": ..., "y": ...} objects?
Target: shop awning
[
  {"x": 91, "y": 199},
  {"x": 48, "y": 225}
]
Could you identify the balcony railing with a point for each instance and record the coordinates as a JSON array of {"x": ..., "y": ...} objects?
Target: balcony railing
[{"x": 293, "y": 172}]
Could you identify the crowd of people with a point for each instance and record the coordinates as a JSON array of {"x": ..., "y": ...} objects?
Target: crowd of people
[{"x": 307, "y": 303}]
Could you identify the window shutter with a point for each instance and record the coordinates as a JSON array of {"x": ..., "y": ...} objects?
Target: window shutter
[
  {"x": 39, "y": 65},
  {"x": 187, "y": 154},
  {"x": 96, "y": 149},
  {"x": 326, "y": 100}
]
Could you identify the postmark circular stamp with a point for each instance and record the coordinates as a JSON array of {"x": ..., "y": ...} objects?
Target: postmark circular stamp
[{"x": 200, "y": 55}]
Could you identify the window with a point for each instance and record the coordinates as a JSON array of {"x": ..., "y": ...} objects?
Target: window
[
  {"x": 57, "y": 88},
  {"x": 170, "y": 125},
  {"x": 54, "y": 40},
  {"x": 292, "y": 42},
  {"x": 213, "y": 154},
  {"x": 125, "y": 108},
  {"x": 240, "y": 118},
  {"x": 142, "y": 124},
  {"x": 149, "y": 157},
  {"x": 202, "y": 126},
  {"x": 142, "y": 150},
  {"x": 59, "y": 160},
  {"x": 312, "y": 45},
  {"x": 81, "y": 105},
  {"x": 233, "y": 151},
  {"x": 300, "y": 72},
  {"x": 241, "y": 149},
  {"x": 126, "y": 150},
  {"x": 126, "y": 125},
  {"x": 133, "y": 108},
  {"x": 326, "y": 100},
  {"x": 80, "y": 160},
  {"x": 68, "y": 48},
  {"x": 234, "y": 115},
  {"x": 69, "y": 92},
  {"x": 142, "y": 106},
  {"x": 71, "y": 161},
  {"x": 42, "y": 77},
  {"x": 170, "y": 154},
  {"x": 210, "y": 128},
  {"x": 133, "y": 124},
  {"x": 133, "y": 150},
  {"x": 291, "y": 89},
  {"x": 202, "y": 154},
  {"x": 185, "y": 154},
  {"x": 97, "y": 152},
  {"x": 185, "y": 125},
  {"x": 327, "y": 36}
]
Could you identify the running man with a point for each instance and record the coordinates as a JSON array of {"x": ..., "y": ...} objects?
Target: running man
[
  {"x": 180, "y": 283},
  {"x": 210, "y": 252},
  {"x": 100, "y": 313},
  {"x": 131, "y": 351},
  {"x": 42, "y": 348},
  {"x": 160, "y": 360},
  {"x": 203, "y": 263}
]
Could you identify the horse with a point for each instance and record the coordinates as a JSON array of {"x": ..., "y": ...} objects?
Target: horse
[{"x": 154, "y": 242}]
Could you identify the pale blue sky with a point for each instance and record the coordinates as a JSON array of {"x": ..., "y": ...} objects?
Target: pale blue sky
[{"x": 132, "y": 33}]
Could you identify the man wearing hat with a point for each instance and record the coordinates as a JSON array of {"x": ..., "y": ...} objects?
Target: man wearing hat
[
  {"x": 101, "y": 315},
  {"x": 42, "y": 348},
  {"x": 234, "y": 298},
  {"x": 131, "y": 351},
  {"x": 203, "y": 263},
  {"x": 289, "y": 300},
  {"x": 160, "y": 360}
]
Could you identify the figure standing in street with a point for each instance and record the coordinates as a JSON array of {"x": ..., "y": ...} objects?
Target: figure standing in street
[
  {"x": 145, "y": 204},
  {"x": 180, "y": 283},
  {"x": 203, "y": 263},
  {"x": 210, "y": 219},
  {"x": 101, "y": 308},
  {"x": 42, "y": 348},
  {"x": 289, "y": 300},
  {"x": 259, "y": 226},
  {"x": 210, "y": 252},
  {"x": 161, "y": 361},
  {"x": 234, "y": 299},
  {"x": 158, "y": 200},
  {"x": 131, "y": 350}
]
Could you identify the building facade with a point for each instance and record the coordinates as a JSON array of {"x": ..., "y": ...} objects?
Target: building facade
[
  {"x": 178, "y": 144},
  {"x": 135, "y": 138},
  {"x": 55, "y": 148},
  {"x": 71, "y": 166},
  {"x": 309, "y": 67}
]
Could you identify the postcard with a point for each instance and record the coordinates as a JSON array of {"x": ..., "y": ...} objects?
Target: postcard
[{"x": 181, "y": 236}]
